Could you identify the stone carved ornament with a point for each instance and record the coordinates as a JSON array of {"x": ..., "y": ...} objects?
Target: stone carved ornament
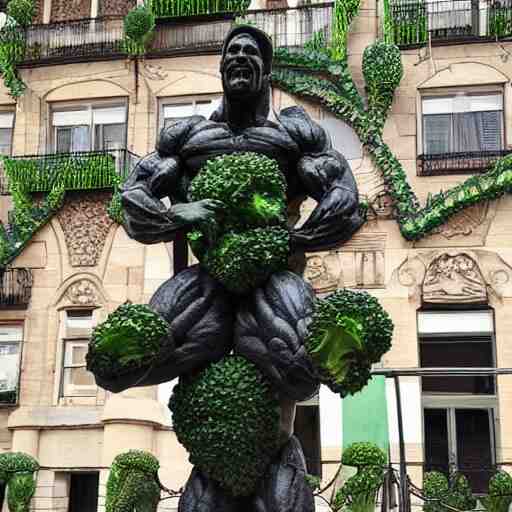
[
  {"x": 456, "y": 277},
  {"x": 86, "y": 224},
  {"x": 83, "y": 293}
]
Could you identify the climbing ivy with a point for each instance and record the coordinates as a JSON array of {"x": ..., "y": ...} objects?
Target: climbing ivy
[
  {"x": 325, "y": 78},
  {"x": 17, "y": 471},
  {"x": 12, "y": 51},
  {"x": 139, "y": 26}
]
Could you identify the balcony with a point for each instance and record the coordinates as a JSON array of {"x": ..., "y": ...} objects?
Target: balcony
[
  {"x": 458, "y": 163},
  {"x": 415, "y": 23},
  {"x": 75, "y": 171},
  {"x": 16, "y": 288},
  {"x": 102, "y": 38}
]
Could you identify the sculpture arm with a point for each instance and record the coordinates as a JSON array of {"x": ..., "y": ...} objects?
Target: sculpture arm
[
  {"x": 326, "y": 177},
  {"x": 200, "y": 314},
  {"x": 159, "y": 174}
]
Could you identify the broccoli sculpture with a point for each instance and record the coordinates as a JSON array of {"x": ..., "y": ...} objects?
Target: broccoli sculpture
[
  {"x": 17, "y": 472},
  {"x": 234, "y": 327},
  {"x": 133, "y": 484}
]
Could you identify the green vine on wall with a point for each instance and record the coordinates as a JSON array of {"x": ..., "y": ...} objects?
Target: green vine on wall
[
  {"x": 17, "y": 471},
  {"x": 139, "y": 27},
  {"x": 325, "y": 78}
]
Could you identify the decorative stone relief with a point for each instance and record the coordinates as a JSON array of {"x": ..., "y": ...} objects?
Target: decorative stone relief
[
  {"x": 86, "y": 224},
  {"x": 83, "y": 293},
  {"x": 469, "y": 227},
  {"x": 63, "y": 10},
  {"x": 115, "y": 7},
  {"x": 359, "y": 263},
  {"x": 454, "y": 279},
  {"x": 469, "y": 276}
]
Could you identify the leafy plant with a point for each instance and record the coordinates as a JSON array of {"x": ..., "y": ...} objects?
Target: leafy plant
[
  {"x": 227, "y": 418},
  {"x": 362, "y": 455},
  {"x": 12, "y": 52},
  {"x": 359, "y": 492},
  {"x": 179, "y": 8},
  {"x": 22, "y": 11},
  {"x": 500, "y": 493},
  {"x": 132, "y": 336},
  {"x": 133, "y": 483},
  {"x": 454, "y": 492},
  {"x": 17, "y": 471},
  {"x": 348, "y": 333},
  {"x": 139, "y": 25}
]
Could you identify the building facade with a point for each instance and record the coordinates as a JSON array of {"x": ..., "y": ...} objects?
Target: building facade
[{"x": 449, "y": 294}]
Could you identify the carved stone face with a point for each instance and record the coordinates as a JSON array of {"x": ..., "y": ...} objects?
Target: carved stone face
[{"x": 242, "y": 68}]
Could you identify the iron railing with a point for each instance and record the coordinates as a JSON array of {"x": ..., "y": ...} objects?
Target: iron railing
[
  {"x": 458, "y": 163},
  {"x": 416, "y": 22},
  {"x": 102, "y": 38},
  {"x": 16, "y": 288},
  {"x": 75, "y": 171}
]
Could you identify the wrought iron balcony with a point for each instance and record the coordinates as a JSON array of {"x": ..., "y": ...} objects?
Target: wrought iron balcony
[
  {"x": 417, "y": 22},
  {"x": 102, "y": 38},
  {"x": 16, "y": 288},
  {"x": 75, "y": 171},
  {"x": 458, "y": 163}
]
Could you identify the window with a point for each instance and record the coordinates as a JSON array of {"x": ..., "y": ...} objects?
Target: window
[
  {"x": 457, "y": 339},
  {"x": 462, "y": 123},
  {"x": 307, "y": 430},
  {"x": 183, "y": 108},
  {"x": 76, "y": 380},
  {"x": 459, "y": 412},
  {"x": 11, "y": 337},
  {"x": 89, "y": 127},
  {"x": 6, "y": 129}
]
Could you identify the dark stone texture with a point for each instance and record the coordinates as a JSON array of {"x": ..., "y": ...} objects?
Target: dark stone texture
[
  {"x": 115, "y": 7},
  {"x": 64, "y": 10}
]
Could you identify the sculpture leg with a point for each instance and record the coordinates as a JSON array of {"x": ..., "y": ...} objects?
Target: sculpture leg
[
  {"x": 202, "y": 494},
  {"x": 284, "y": 488}
]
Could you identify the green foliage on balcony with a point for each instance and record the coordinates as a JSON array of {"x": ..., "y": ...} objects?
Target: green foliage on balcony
[
  {"x": 138, "y": 25},
  {"x": 179, "y": 8},
  {"x": 79, "y": 171},
  {"x": 408, "y": 23},
  {"x": 12, "y": 51},
  {"x": 499, "y": 20}
]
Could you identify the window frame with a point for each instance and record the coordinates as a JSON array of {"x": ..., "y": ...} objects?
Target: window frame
[
  {"x": 9, "y": 110},
  {"x": 182, "y": 100},
  {"x": 80, "y": 339},
  {"x": 87, "y": 106},
  {"x": 20, "y": 344},
  {"x": 439, "y": 92}
]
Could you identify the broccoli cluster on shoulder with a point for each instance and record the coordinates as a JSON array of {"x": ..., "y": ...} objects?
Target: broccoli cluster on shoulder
[
  {"x": 251, "y": 241},
  {"x": 228, "y": 419},
  {"x": 131, "y": 337},
  {"x": 349, "y": 332}
]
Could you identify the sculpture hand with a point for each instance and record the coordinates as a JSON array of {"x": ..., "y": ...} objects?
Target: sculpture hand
[{"x": 197, "y": 212}]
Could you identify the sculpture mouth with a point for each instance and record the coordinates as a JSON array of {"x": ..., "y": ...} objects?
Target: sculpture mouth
[{"x": 240, "y": 76}]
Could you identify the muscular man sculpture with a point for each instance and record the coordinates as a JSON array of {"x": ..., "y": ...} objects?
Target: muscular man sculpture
[{"x": 268, "y": 325}]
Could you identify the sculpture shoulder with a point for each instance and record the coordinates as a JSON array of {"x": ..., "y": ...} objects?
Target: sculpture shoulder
[
  {"x": 173, "y": 137},
  {"x": 308, "y": 134}
]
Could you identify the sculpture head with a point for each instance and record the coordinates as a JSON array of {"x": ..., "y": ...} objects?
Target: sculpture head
[{"x": 246, "y": 63}]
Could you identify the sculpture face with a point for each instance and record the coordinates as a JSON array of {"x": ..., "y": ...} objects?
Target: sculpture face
[{"x": 242, "y": 68}]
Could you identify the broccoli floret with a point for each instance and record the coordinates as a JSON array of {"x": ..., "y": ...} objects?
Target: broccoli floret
[
  {"x": 131, "y": 337},
  {"x": 227, "y": 418},
  {"x": 349, "y": 332},
  {"x": 363, "y": 454},
  {"x": 359, "y": 493},
  {"x": 251, "y": 240},
  {"x": 455, "y": 492},
  {"x": 500, "y": 493}
]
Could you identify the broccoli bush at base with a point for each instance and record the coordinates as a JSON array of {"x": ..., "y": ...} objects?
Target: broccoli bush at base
[
  {"x": 363, "y": 454},
  {"x": 455, "y": 492},
  {"x": 500, "y": 493},
  {"x": 228, "y": 419},
  {"x": 17, "y": 471},
  {"x": 359, "y": 493},
  {"x": 349, "y": 332},
  {"x": 132, "y": 336}
]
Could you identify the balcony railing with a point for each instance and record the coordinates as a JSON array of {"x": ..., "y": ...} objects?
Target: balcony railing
[
  {"x": 16, "y": 288},
  {"x": 458, "y": 163},
  {"x": 417, "y": 22},
  {"x": 75, "y": 171},
  {"x": 102, "y": 38}
]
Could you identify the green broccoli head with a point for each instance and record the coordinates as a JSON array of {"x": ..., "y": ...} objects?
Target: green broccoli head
[
  {"x": 454, "y": 492},
  {"x": 359, "y": 492},
  {"x": 131, "y": 337},
  {"x": 349, "y": 332},
  {"x": 500, "y": 493},
  {"x": 227, "y": 418},
  {"x": 17, "y": 471},
  {"x": 139, "y": 460},
  {"x": 252, "y": 187},
  {"x": 363, "y": 454}
]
